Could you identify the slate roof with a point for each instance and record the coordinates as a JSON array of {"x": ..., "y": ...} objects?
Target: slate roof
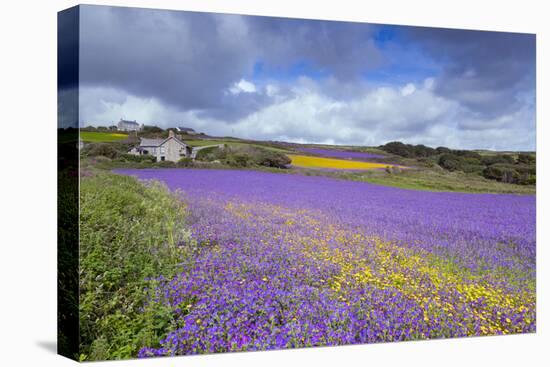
[
  {"x": 129, "y": 122},
  {"x": 145, "y": 142},
  {"x": 150, "y": 142}
]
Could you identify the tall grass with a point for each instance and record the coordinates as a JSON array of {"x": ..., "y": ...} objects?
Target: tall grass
[{"x": 130, "y": 234}]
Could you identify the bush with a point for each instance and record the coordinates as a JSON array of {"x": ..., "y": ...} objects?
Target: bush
[
  {"x": 185, "y": 162},
  {"x": 467, "y": 154},
  {"x": 473, "y": 168},
  {"x": 392, "y": 170},
  {"x": 501, "y": 173},
  {"x": 138, "y": 158},
  {"x": 397, "y": 148},
  {"x": 526, "y": 178},
  {"x": 244, "y": 156},
  {"x": 423, "y": 151},
  {"x": 502, "y": 167},
  {"x": 165, "y": 164},
  {"x": 129, "y": 233},
  {"x": 211, "y": 154},
  {"x": 101, "y": 149},
  {"x": 441, "y": 150},
  {"x": 238, "y": 159},
  {"x": 526, "y": 158},
  {"x": 497, "y": 158},
  {"x": 451, "y": 162},
  {"x": 426, "y": 162},
  {"x": 408, "y": 150},
  {"x": 270, "y": 158}
]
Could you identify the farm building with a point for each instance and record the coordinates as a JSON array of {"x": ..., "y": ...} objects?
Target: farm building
[
  {"x": 186, "y": 130},
  {"x": 169, "y": 149},
  {"x": 125, "y": 125}
]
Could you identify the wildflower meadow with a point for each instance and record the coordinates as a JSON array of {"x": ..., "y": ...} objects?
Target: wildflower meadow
[{"x": 291, "y": 261}]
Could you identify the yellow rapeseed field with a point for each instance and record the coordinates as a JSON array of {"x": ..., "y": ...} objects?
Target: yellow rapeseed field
[
  {"x": 332, "y": 163},
  {"x": 101, "y": 137}
]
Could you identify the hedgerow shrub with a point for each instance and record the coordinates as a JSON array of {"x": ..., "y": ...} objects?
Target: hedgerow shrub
[
  {"x": 165, "y": 164},
  {"x": 498, "y": 158},
  {"x": 451, "y": 162},
  {"x": 130, "y": 234},
  {"x": 138, "y": 158},
  {"x": 210, "y": 154},
  {"x": 244, "y": 156},
  {"x": 101, "y": 149},
  {"x": 185, "y": 162},
  {"x": 526, "y": 158},
  {"x": 501, "y": 172},
  {"x": 269, "y": 158}
]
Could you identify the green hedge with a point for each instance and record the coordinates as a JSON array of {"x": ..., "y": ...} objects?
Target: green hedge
[
  {"x": 245, "y": 156},
  {"x": 130, "y": 232}
]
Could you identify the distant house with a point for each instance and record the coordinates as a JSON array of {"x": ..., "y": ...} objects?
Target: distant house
[
  {"x": 186, "y": 130},
  {"x": 125, "y": 125},
  {"x": 169, "y": 149}
]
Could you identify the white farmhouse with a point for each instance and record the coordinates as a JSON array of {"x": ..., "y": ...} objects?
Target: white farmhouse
[
  {"x": 125, "y": 125},
  {"x": 169, "y": 149},
  {"x": 186, "y": 130}
]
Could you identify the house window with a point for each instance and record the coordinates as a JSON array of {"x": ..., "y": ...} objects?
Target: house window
[
  {"x": 162, "y": 158},
  {"x": 161, "y": 150}
]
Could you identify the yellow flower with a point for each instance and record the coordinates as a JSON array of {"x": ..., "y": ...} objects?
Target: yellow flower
[{"x": 318, "y": 162}]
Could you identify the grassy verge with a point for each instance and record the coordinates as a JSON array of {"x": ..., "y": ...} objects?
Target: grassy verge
[
  {"x": 130, "y": 232},
  {"x": 419, "y": 178},
  {"x": 432, "y": 180}
]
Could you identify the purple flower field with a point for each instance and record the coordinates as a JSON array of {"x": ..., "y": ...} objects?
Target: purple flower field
[
  {"x": 343, "y": 154},
  {"x": 294, "y": 261}
]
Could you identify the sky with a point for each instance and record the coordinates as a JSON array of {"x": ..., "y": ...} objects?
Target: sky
[{"x": 306, "y": 81}]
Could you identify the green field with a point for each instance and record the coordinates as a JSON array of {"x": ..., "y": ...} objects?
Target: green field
[
  {"x": 423, "y": 173},
  {"x": 200, "y": 143},
  {"x": 101, "y": 137}
]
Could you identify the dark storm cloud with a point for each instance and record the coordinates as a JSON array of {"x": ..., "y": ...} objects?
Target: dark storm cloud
[
  {"x": 232, "y": 107},
  {"x": 188, "y": 60},
  {"x": 184, "y": 59},
  {"x": 343, "y": 49},
  {"x": 487, "y": 72},
  {"x": 307, "y": 80},
  {"x": 67, "y": 68},
  {"x": 67, "y": 50}
]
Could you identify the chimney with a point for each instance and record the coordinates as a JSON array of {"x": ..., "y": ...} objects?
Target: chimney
[{"x": 170, "y": 133}]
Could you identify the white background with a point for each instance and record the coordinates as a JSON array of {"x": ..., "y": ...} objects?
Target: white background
[{"x": 28, "y": 181}]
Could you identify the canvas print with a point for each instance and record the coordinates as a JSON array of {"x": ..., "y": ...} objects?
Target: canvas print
[{"x": 233, "y": 183}]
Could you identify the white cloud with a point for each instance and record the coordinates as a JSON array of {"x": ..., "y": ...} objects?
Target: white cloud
[
  {"x": 305, "y": 113},
  {"x": 429, "y": 83},
  {"x": 243, "y": 86},
  {"x": 408, "y": 89},
  {"x": 271, "y": 90}
]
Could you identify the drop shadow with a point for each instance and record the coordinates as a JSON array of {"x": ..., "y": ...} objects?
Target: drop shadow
[{"x": 48, "y": 345}]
